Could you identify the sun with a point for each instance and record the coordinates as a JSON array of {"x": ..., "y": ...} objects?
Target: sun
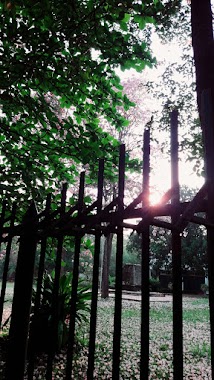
[{"x": 155, "y": 198}]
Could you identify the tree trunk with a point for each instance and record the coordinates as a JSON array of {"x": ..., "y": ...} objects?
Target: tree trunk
[
  {"x": 203, "y": 47},
  {"x": 105, "y": 266}
]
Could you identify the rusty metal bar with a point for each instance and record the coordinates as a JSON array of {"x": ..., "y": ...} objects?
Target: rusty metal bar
[
  {"x": 134, "y": 203},
  {"x": 176, "y": 256},
  {"x": 191, "y": 207},
  {"x": 55, "y": 295},
  {"x": 149, "y": 211},
  {"x": 93, "y": 317},
  {"x": 42, "y": 256},
  {"x": 112, "y": 217},
  {"x": 15, "y": 365},
  {"x": 7, "y": 260},
  {"x": 2, "y": 219},
  {"x": 207, "y": 114},
  {"x": 59, "y": 223},
  {"x": 73, "y": 307},
  {"x": 144, "y": 360},
  {"x": 154, "y": 222},
  {"x": 32, "y": 336},
  {"x": 199, "y": 220},
  {"x": 119, "y": 265}
]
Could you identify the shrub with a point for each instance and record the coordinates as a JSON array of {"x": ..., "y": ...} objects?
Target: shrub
[
  {"x": 86, "y": 265},
  {"x": 154, "y": 284},
  {"x": 112, "y": 281},
  {"x": 42, "y": 320},
  {"x": 204, "y": 288}
]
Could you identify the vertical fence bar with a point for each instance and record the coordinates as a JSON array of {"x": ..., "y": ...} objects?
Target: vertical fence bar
[
  {"x": 2, "y": 217},
  {"x": 176, "y": 256},
  {"x": 93, "y": 317},
  {"x": 32, "y": 337},
  {"x": 208, "y": 129},
  {"x": 73, "y": 307},
  {"x": 55, "y": 309},
  {"x": 7, "y": 260},
  {"x": 119, "y": 266},
  {"x": 19, "y": 326},
  {"x": 43, "y": 252},
  {"x": 144, "y": 363}
]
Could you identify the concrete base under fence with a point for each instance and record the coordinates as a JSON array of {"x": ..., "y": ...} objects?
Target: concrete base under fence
[{"x": 136, "y": 296}]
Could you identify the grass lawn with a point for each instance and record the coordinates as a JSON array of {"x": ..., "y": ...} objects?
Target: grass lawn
[
  {"x": 9, "y": 291},
  {"x": 196, "y": 342},
  {"x": 8, "y": 299}
]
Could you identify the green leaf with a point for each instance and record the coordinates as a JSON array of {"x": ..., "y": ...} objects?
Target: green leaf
[
  {"x": 123, "y": 26},
  {"x": 126, "y": 17},
  {"x": 126, "y": 123},
  {"x": 58, "y": 87}
]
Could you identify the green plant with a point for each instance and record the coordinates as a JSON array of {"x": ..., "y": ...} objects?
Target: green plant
[
  {"x": 164, "y": 347},
  {"x": 42, "y": 319},
  {"x": 202, "y": 315},
  {"x": 201, "y": 351},
  {"x": 112, "y": 280},
  {"x": 170, "y": 286},
  {"x": 154, "y": 284},
  {"x": 86, "y": 265},
  {"x": 204, "y": 288}
]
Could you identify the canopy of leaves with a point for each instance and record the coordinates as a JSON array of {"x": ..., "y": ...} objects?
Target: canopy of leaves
[
  {"x": 194, "y": 257},
  {"x": 58, "y": 56}
]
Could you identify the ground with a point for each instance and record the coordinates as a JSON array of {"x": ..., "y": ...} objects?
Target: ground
[{"x": 196, "y": 341}]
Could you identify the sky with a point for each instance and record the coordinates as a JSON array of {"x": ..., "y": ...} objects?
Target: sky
[
  {"x": 161, "y": 175},
  {"x": 160, "y": 178}
]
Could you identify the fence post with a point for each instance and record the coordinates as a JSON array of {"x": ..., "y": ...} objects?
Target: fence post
[
  {"x": 119, "y": 269},
  {"x": 55, "y": 294},
  {"x": 32, "y": 334},
  {"x": 208, "y": 128},
  {"x": 176, "y": 255},
  {"x": 144, "y": 362},
  {"x": 7, "y": 260},
  {"x": 2, "y": 220},
  {"x": 18, "y": 335},
  {"x": 75, "y": 279},
  {"x": 93, "y": 317}
]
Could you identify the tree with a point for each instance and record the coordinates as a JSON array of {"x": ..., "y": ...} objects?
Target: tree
[
  {"x": 193, "y": 71},
  {"x": 194, "y": 256},
  {"x": 131, "y": 135},
  {"x": 194, "y": 249},
  {"x": 160, "y": 248},
  {"x": 69, "y": 51},
  {"x": 175, "y": 85},
  {"x": 202, "y": 42}
]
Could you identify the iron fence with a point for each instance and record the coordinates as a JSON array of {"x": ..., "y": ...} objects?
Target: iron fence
[{"x": 96, "y": 220}]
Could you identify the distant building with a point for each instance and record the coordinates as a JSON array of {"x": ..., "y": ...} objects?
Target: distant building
[{"x": 191, "y": 281}]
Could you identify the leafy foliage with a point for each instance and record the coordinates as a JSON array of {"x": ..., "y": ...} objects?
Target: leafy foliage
[
  {"x": 42, "y": 320},
  {"x": 58, "y": 80},
  {"x": 194, "y": 248},
  {"x": 175, "y": 87},
  {"x": 154, "y": 284},
  {"x": 194, "y": 257}
]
